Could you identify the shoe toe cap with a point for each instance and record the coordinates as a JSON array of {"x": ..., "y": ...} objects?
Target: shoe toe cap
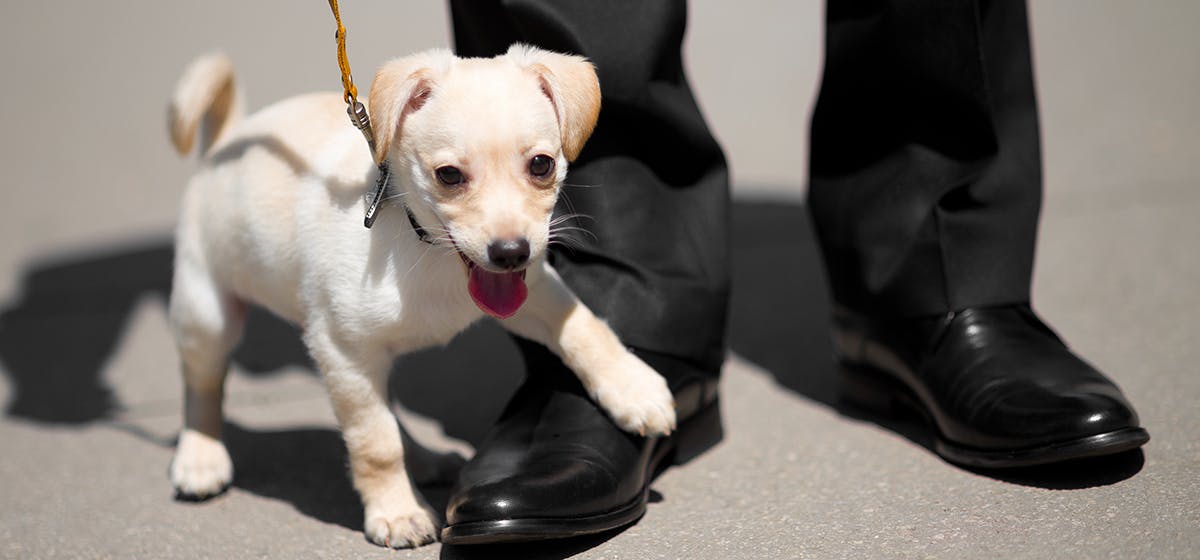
[
  {"x": 581, "y": 488},
  {"x": 1034, "y": 417},
  {"x": 1097, "y": 412}
]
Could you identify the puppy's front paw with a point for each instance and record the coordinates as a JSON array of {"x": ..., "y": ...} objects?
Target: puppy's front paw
[
  {"x": 400, "y": 528},
  {"x": 201, "y": 468},
  {"x": 637, "y": 398}
]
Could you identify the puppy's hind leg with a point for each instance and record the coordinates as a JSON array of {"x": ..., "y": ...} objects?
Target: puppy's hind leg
[{"x": 207, "y": 323}]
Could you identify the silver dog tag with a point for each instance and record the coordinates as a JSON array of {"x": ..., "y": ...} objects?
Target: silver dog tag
[{"x": 376, "y": 195}]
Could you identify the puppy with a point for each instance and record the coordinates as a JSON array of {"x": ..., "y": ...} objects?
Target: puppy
[{"x": 478, "y": 149}]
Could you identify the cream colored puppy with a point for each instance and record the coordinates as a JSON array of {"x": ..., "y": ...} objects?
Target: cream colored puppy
[{"x": 478, "y": 149}]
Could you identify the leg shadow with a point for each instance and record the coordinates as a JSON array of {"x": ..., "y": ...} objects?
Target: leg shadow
[
  {"x": 304, "y": 467},
  {"x": 780, "y": 308},
  {"x": 464, "y": 385},
  {"x": 309, "y": 468}
]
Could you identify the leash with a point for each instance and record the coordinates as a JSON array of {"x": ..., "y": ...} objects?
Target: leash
[{"x": 362, "y": 121}]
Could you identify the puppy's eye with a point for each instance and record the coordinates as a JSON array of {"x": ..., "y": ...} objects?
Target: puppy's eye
[
  {"x": 450, "y": 176},
  {"x": 541, "y": 166}
]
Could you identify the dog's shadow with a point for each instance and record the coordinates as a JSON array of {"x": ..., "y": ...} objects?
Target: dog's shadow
[
  {"x": 72, "y": 311},
  {"x": 307, "y": 467},
  {"x": 58, "y": 336},
  {"x": 304, "y": 467}
]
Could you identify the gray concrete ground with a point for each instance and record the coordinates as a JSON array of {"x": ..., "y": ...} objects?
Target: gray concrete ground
[{"x": 91, "y": 191}]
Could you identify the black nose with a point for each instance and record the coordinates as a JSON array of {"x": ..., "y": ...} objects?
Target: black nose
[{"x": 509, "y": 253}]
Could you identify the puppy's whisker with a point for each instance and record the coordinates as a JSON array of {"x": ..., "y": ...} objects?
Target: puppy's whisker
[
  {"x": 562, "y": 231},
  {"x": 559, "y": 236},
  {"x": 390, "y": 195},
  {"x": 414, "y": 264},
  {"x": 562, "y": 225},
  {"x": 570, "y": 222},
  {"x": 567, "y": 242},
  {"x": 566, "y": 226},
  {"x": 568, "y": 217},
  {"x": 566, "y": 199}
]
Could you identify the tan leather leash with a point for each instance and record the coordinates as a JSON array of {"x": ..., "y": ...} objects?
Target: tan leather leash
[{"x": 359, "y": 118}]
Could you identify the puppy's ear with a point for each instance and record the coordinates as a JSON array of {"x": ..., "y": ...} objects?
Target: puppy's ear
[
  {"x": 401, "y": 87},
  {"x": 572, "y": 86}
]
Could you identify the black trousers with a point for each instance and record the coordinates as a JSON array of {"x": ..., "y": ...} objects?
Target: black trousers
[{"x": 925, "y": 172}]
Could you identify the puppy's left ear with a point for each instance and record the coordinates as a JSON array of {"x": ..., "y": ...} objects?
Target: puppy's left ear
[{"x": 572, "y": 86}]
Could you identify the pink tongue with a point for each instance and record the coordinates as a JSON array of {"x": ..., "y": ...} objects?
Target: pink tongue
[{"x": 497, "y": 294}]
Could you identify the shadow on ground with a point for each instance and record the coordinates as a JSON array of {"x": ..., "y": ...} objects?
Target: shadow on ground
[
  {"x": 779, "y": 321},
  {"x": 307, "y": 468},
  {"x": 57, "y": 337},
  {"x": 537, "y": 550},
  {"x": 304, "y": 467}
]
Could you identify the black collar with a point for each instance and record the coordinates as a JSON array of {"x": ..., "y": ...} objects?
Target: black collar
[
  {"x": 376, "y": 197},
  {"x": 420, "y": 231}
]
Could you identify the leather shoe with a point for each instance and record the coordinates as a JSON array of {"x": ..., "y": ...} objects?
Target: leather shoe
[
  {"x": 555, "y": 465},
  {"x": 997, "y": 386}
]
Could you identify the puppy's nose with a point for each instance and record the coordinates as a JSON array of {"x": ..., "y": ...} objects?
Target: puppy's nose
[{"x": 509, "y": 253}]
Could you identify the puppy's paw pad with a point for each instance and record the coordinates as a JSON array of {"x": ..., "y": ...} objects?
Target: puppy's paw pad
[
  {"x": 640, "y": 403},
  {"x": 404, "y": 530},
  {"x": 201, "y": 468}
]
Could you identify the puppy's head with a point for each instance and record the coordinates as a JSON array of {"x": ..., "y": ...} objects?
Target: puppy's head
[{"x": 480, "y": 147}]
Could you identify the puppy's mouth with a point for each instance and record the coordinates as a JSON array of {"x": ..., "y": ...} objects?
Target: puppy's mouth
[{"x": 499, "y": 294}]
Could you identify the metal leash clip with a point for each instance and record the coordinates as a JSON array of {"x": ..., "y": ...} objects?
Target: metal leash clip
[{"x": 362, "y": 121}]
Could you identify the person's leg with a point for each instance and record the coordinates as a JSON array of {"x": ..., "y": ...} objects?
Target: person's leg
[
  {"x": 925, "y": 171},
  {"x": 925, "y": 191},
  {"x": 652, "y": 189}
]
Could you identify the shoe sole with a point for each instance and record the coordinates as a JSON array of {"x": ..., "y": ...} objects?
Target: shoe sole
[
  {"x": 872, "y": 389},
  {"x": 693, "y": 436}
]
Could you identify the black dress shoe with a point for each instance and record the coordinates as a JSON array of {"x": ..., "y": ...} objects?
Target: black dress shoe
[
  {"x": 555, "y": 465},
  {"x": 998, "y": 387}
]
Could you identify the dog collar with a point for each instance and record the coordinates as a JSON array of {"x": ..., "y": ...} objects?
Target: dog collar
[
  {"x": 420, "y": 231},
  {"x": 376, "y": 199}
]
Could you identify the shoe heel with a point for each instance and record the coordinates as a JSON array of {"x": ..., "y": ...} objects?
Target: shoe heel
[
  {"x": 698, "y": 434},
  {"x": 863, "y": 388}
]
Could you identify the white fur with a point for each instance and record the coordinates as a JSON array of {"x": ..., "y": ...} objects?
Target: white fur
[{"x": 274, "y": 218}]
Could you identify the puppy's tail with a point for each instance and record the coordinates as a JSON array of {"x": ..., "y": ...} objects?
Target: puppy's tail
[{"x": 205, "y": 100}]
